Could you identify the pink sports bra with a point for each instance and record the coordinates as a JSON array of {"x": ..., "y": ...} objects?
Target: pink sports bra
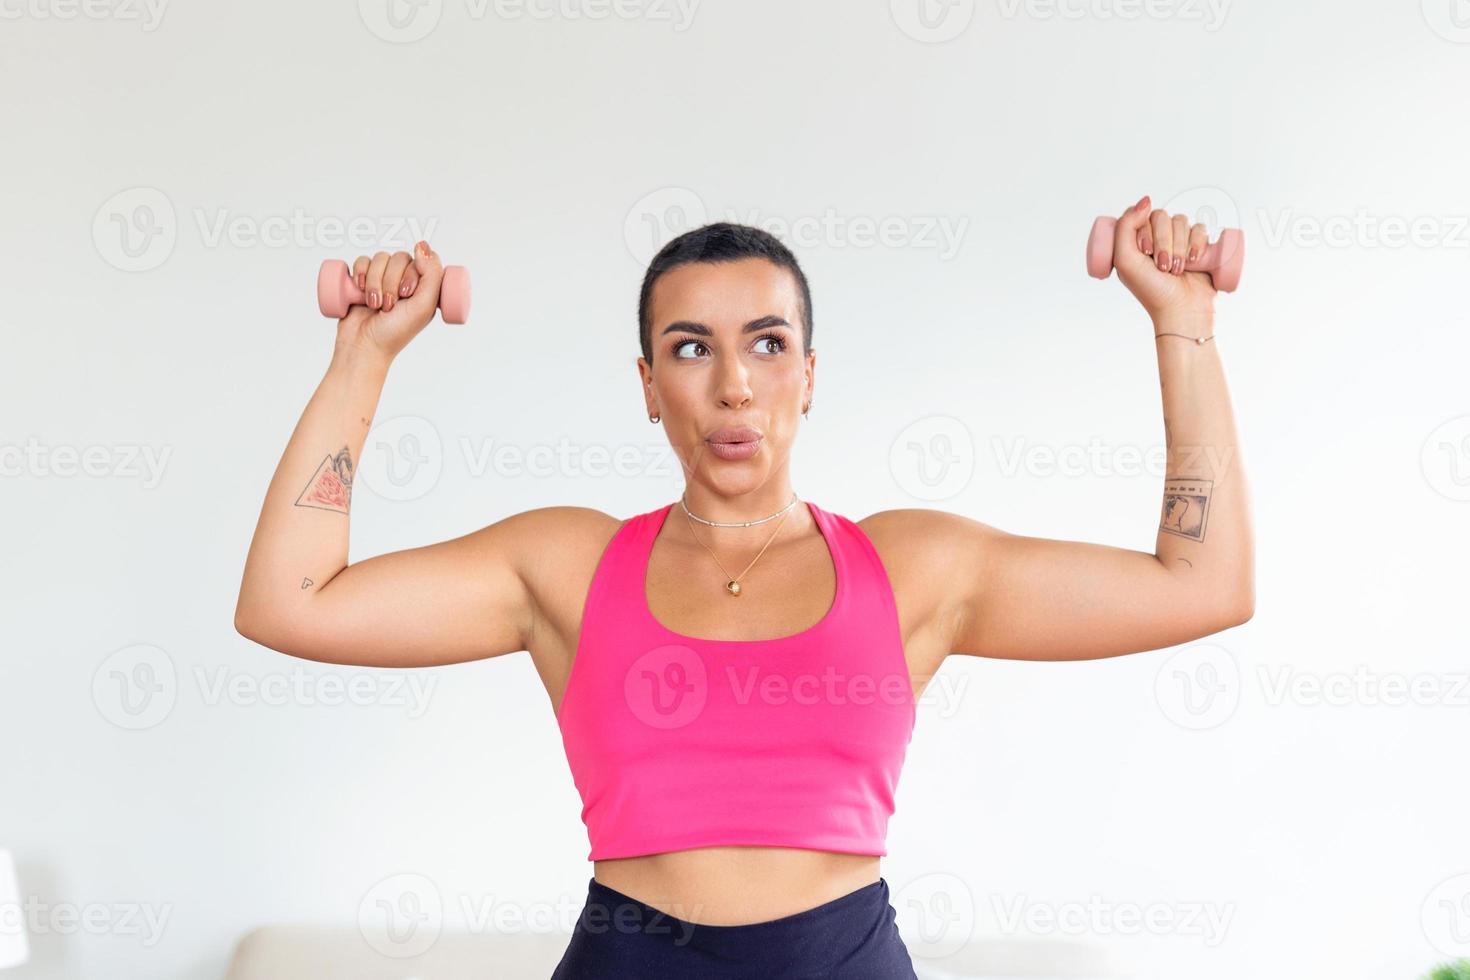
[{"x": 677, "y": 742}]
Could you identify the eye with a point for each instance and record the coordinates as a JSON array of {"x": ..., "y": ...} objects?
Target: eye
[
  {"x": 681, "y": 344},
  {"x": 768, "y": 339}
]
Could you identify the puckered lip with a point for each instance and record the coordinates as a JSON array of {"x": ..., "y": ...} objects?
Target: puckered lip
[{"x": 734, "y": 433}]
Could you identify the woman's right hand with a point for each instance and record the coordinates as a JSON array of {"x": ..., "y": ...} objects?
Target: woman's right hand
[{"x": 402, "y": 296}]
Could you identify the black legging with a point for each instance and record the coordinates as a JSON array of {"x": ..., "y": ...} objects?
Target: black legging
[{"x": 854, "y": 935}]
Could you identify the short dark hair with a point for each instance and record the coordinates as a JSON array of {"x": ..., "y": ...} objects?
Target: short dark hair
[{"x": 721, "y": 241}]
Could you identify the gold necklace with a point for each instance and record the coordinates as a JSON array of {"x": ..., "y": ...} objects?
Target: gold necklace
[{"x": 732, "y": 586}]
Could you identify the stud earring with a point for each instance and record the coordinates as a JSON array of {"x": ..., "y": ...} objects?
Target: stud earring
[{"x": 654, "y": 418}]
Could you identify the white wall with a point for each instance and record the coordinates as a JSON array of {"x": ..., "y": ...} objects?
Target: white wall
[{"x": 551, "y": 153}]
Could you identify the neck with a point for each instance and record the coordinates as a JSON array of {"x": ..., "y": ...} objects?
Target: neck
[{"x": 728, "y": 509}]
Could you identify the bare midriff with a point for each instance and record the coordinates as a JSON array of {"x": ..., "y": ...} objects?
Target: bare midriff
[{"x": 737, "y": 885}]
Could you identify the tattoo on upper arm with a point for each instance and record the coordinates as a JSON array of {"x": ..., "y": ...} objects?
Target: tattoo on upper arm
[
  {"x": 307, "y": 583},
  {"x": 330, "y": 487},
  {"x": 1186, "y": 506}
]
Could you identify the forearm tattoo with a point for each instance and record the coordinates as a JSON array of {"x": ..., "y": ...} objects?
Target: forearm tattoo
[
  {"x": 1186, "y": 506},
  {"x": 330, "y": 487}
]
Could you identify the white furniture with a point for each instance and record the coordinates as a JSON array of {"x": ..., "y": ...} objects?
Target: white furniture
[
  {"x": 1017, "y": 959},
  {"x": 14, "y": 949},
  {"x": 305, "y": 952}
]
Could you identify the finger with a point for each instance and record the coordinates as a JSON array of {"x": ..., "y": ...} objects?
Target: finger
[
  {"x": 1181, "y": 239},
  {"x": 1132, "y": 219},
  {"x": 359, "y": 272},
  {"x": 1130, "y": 235},
  {"x": 427, "y": 264},
  {"x": 375, "y": 271},
  {"x": 1163, "y": 233},
  {"x": 393, "y": 278},
  {"x": 1199, "y": 238},
  {"x": 427, "y": 271}
]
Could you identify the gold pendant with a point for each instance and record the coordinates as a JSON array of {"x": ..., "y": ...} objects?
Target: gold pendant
[{"x": 732, "y": 587}]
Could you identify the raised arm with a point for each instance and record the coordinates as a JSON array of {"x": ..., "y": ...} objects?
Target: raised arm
[
  {"x": 457, "y": 600},
  {"x": 1029, "y": 598}
]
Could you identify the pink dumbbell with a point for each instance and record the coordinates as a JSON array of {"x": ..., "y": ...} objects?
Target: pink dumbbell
[
  {"x": 335, "y": 291},
  {"x": 1222, "y": 260}
]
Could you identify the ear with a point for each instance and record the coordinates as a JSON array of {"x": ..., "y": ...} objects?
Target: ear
[{"x": 645, "y": 382}]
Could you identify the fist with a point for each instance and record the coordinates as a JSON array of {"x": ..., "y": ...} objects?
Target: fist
[
  {"x": 1150, "y": 249},
  {"x": 402, "y": 294}
]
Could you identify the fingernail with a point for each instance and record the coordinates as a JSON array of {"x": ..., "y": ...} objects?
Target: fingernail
[
  {"x": 403, "y": 288},
  {"x": 1164, "y": 260},
  {"x": 360, "y": 278},
  {"x": 387, "y": 302},
  {"x": 1193, "y": 254},
  {"x": 373, "y": 298},
  {"x": 1148, "y": 246},
  {"x": 1177, "y": 265},
  {"x": 1142, "y": 201}
]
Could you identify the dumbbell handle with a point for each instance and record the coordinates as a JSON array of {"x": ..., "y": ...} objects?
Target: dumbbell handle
[
  {"x": 335, "y": 291},
  {"x": 1222, "y": 260}
]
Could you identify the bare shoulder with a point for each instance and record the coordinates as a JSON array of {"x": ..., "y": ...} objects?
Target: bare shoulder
[
  {"x": 921, "y": 536},
  {"x": 542, "y": 530},
  {"x": 550, "y": 543},
  {"x": 935, "y": 559},
  {"x": 557, "y": 550}
]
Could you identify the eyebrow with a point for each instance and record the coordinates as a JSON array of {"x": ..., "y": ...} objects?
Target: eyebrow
[{"x": 754, "y": 326}]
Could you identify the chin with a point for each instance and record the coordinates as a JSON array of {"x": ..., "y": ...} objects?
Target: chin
[{"x": 734, "y": 478}]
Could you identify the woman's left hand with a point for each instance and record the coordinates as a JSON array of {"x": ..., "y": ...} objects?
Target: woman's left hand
[{"x": 1150, "y": 250}]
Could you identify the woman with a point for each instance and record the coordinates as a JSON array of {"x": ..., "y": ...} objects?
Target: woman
[{"x": 734, "y": 673}]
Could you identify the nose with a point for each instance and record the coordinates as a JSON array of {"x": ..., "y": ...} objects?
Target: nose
[{"x": 733, "y": 385}]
